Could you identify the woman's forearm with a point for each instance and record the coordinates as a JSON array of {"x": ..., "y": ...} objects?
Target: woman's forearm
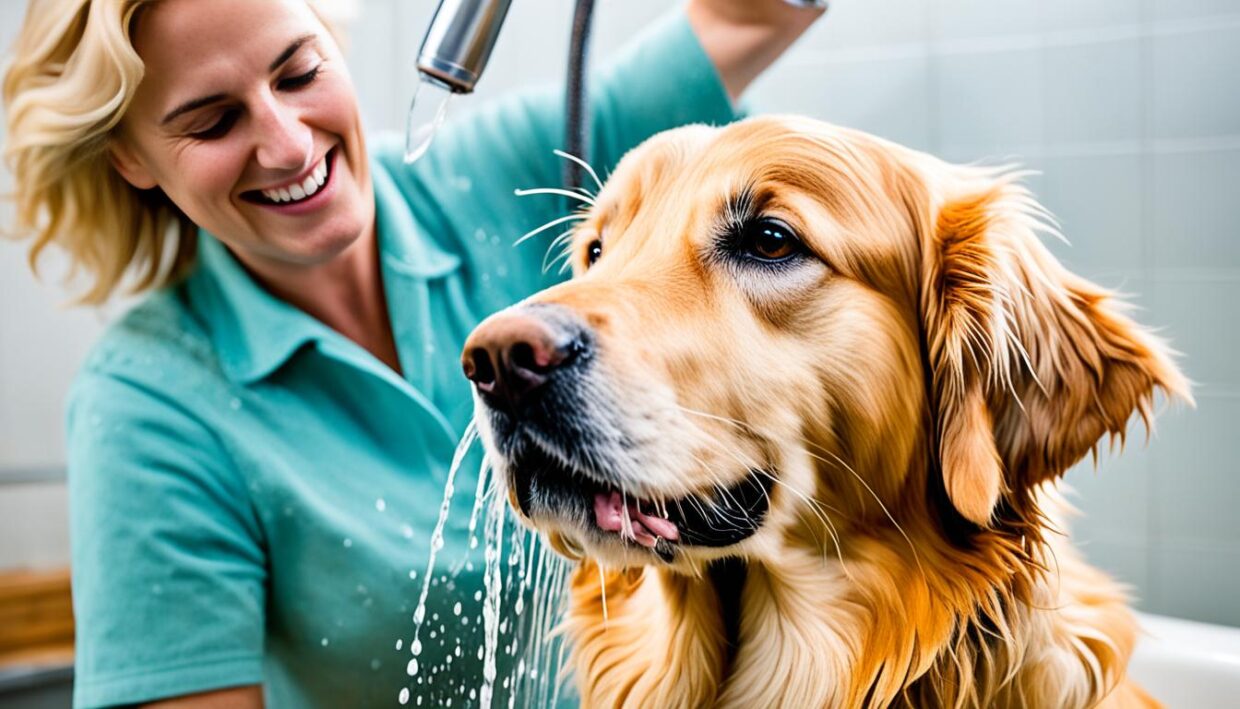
[{"x": 744, "y": 37}]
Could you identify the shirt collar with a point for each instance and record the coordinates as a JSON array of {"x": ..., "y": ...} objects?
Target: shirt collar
[{"x": 255, "y": 332}]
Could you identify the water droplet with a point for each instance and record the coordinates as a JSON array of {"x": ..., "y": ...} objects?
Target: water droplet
[
  {"x": 348, "y": 543},
  {"x": 413, "y": 574},
  {"x": 380, "y": 504},
  {"x": 404, "y": 696},
  {"x": 416, "y": 647},
  {"x": 480, "y": 235},
  {"x": 323, "y": 642},
  {"x": 375, "y": 664},
  {"x": 399, "y": 643},
  {"x": 407, "y": 532},
  {"x": 456, "y": 609},
  {"x": 477, "y": 595},
  {"x": 411, "y": 669},
  {"x": 419, "y": 700}
]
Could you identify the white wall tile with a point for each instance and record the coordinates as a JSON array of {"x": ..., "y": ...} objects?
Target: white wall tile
[
  {"x": 1163, "y": 10},
  {"x": 989, "y": 101},
  {"x": 1195, "y": 482},
  {"x": 1196, "y": 581},
  {"x": 858, "y": 23},
  {"x": 1113, "y": 497},
  {"x": 957, "y": 19},
  {"x": 1097, "y": 201},
  {"x": 1094, "y": 92},
  {"x": 1194, "y": 83},
  {"x": 1195, "y": 218},
  {"x": 1089, "y": 14},
  {"x": 888, "y": 98},
  {"x": 1201, "y": 315}
]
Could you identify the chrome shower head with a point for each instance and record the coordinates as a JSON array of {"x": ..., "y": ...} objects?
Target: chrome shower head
[{"x": 454, "y": 53}]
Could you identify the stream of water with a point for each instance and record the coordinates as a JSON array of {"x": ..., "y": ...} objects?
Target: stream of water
[{"x": 517, "y": 659}]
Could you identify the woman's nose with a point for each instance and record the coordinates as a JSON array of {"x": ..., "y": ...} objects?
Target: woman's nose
[{"x": 283, "y": 141}]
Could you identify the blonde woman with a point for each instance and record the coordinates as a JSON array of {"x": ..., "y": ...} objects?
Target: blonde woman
[{"x": 257, "y": 451}]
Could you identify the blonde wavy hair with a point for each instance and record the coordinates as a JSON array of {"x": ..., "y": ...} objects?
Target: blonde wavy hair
[{"x": 73, "y": 75}]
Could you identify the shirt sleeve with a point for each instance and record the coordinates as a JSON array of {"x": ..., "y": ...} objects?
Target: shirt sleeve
[
  {"x": 660, "y": 80},
  {"x": 168, "y": 566}
]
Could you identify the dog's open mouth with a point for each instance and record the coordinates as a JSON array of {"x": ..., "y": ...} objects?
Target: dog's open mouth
[{"x": 547, "y": 488}]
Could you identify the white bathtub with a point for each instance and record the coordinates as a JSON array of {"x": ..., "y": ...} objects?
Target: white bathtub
[{"x": 1187, "y": 664}]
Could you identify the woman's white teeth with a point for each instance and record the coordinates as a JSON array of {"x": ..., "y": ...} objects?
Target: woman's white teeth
[{"x": 299, "y": 191}]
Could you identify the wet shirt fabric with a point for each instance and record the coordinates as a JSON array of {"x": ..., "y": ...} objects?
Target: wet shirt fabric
[{"x": 250, "y": 491}]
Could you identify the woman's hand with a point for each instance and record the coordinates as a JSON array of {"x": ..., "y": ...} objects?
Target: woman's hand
[{"x": 744, "y": 37}]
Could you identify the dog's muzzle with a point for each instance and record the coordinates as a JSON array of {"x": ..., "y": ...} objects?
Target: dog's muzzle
[{"x": 557, "y": 436}]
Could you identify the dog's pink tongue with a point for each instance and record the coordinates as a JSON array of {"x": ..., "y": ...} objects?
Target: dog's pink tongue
[
  {"x": 610, "y": 514},
  {"x": 609, "y": 511}
]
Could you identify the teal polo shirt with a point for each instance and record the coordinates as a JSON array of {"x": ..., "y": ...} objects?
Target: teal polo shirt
[{"x": 252, "y": 494}]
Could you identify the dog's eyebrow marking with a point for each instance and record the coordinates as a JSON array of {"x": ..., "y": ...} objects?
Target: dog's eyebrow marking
[{"x": 740, "y": 207}]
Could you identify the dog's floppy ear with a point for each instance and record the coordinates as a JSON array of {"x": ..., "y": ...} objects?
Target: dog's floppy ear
[{"x": 1029, "y": 365}]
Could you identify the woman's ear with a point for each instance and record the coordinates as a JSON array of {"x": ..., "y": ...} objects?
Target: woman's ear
[
  {"x": 130, "y": 164},
  {"x": 1030, "y": 365}
]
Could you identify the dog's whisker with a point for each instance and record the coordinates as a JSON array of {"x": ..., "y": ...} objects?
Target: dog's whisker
[
  {"x": 555, "y": 191},
  {"x": 549, "y": 225},
  {"x": 585, "y": 165}
]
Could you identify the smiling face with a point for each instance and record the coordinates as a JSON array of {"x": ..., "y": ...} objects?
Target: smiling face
[{"x": 247, "y": 120}]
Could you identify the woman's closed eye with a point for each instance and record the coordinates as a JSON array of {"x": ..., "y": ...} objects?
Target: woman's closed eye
[
  {"x": 300, "y": 81},
  {"x": 219, "y": 128}
]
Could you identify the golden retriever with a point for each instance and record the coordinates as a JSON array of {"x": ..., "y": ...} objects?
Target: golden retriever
[{"x": 801, "y": 414}]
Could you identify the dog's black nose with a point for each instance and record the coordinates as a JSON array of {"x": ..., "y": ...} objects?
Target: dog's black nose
[{"x": 513, "y": 353}]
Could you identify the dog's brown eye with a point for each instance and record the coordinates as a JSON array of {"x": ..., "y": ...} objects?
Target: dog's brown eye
[
  {"x": 594, "y": 251},
  {"x": 769, "y": 240}
]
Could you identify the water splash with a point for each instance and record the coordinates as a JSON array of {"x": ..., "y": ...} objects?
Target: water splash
[
  {"x": 419, "y": 613},
  {"x": 519, "y": 607}
]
